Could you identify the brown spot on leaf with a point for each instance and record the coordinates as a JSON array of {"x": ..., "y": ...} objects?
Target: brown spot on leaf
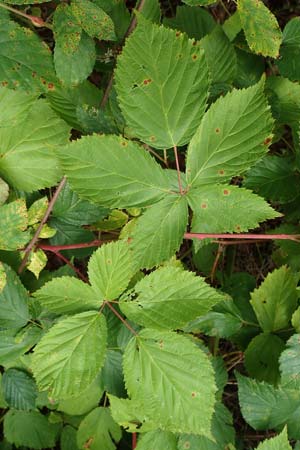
[
  {"x": 124, "y": 144},
  {"x": 217, "y": 130},
  {"x": 51, "y": 87},
  {"x": 194, "y": 56},
  {"x": 88, "y": 443},
  {"x": 267, "y": 141},
  {"x": 194, "y": 394},
  {"x": 226, "y": 192},
  {"x": 147, "y": 81},
  {"x": 221, "y": 172},
  {"x": 33, "y": 74},
  {"x": 238, "y": 228},
  {"x": 152, "y": 138},
  {"x": 203, "y": 205},
  {"x": 4, "y": 83},
  {"x": 187, "y": 444},
  {"x": 178, "y": 33}
]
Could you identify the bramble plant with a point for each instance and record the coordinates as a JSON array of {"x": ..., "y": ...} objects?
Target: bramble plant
[{"x": 143, "y": 148}]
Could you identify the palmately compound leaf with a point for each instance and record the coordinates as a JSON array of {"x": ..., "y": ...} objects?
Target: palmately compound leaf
[
  {"x": 158, "y": 233},
  {"x": 67, "y": 295},
  {"x": 13, "y": 224},
  {"x": 28, "y": 142},
  {"x": 25, "y": 60},
  {"x": 114, "y": 172},
  {"x": 276, "y": 299},
  {"x": 162, "y": 85},
  {"x": 261, "y": 28},
  {"x": 157, "y": 439},
  {"x": 19, "y": 389},
  {"x": 98, "y": 431},
  {"x": 227, "y": 208},
  {"x": 279, "y": 442},
  {"x": 110, "y": 270},
  {"x": 290, "y": 363},
  {"x": 169, "y": 298},
  {"x": 68, "y": 358},
  {"x": 234, "y": 133},
  {"x": 14, "y": 311},
  {"x": 30, "y": 429},
  {"x": 176, "y": 375},
  {"x": 289, "y": 64}
]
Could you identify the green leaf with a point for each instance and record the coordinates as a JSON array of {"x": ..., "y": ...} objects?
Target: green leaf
[
  {"x": 66, "y": 99},
  {"x": 222, "y": 433},
  {"x": 67, "y": 295},
  {"x": 130, "y": 414},
  {"x": 162, "y": 90},
  {"x": 4, "y": 191},
  {"x": 68, "y": 357},
  {"x": 158, "y": 233},
  {"x": 274, "y": 178},
  {"x": 13, "y": 345},
  {"x": 151, "y": 10},
  {"x": 227, "y": 208},
  {"x": 26, "y": 61},
  {"x": 73, "y": 68},
  {"x": 68, "y": 438},
  {"x": 157, "y": 439},
  {"x": 279, "y": 442},
  {"x": 13, "y": 299},
  {"x": 219, "y": 324},
  {"x": 120, "y": 173},
  {"x": 95, "y": 22},
  {"x": 66, "y": 30},
  {"x": 13, "y": 224},
  {"x": 98, "y": 431},
  {"x": 261, "y": 28},
  {"x": 261, "y": 357},
  {"x": 25, "y": 2},
  {"x": 85, "y": 402},
  {"x": 19, "y": 389},
  {"x": 110, "y": 270},
  {"x": 196, "y": 23},
  {"x": 263, "y": 406},
  {"x": 220, "y": 56},
  {"x": 289, "y": 363},
  {"x": 289, "y": 64},
  {"x": 169, "y": 298},
  {"x": 233, "y": 134},
  {"x": 28, "y": 144},
  {"x": 176, "y": 375},
  {"x": 112, "y": 374},
  {"x": 30, "y": 429},
  {"x": 286, "y": 104},
  {"x": 275, "y": 300},
  {"x": 199, "y": 2},
  {"x": 250, "y": 68}
]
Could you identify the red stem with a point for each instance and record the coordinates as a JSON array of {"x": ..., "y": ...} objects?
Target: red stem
[
  {"x": 65, "y": 260},
  {"x": 121, "y": 318},
  {"x": 55, "y": 248},
  {"x": 133, "y": 441}
]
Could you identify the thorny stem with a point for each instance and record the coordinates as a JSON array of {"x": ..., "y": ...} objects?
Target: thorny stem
[
  {"x": 36, "y": 21},
  {"x": 121, "y": 318},
  {"x": 128, "y": 32},
  {"x": 178, "y": 170},
  {"x": 33, "y": 241},
  {"x": 288, "y": 237}
]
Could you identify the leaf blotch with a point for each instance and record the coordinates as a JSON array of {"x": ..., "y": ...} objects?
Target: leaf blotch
[
  {"x": 147, "y": 81},
  {"x": 226, "y": 192},
  {"x": 221, "y": 172},
  {"x": 204, "y": 205}
]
